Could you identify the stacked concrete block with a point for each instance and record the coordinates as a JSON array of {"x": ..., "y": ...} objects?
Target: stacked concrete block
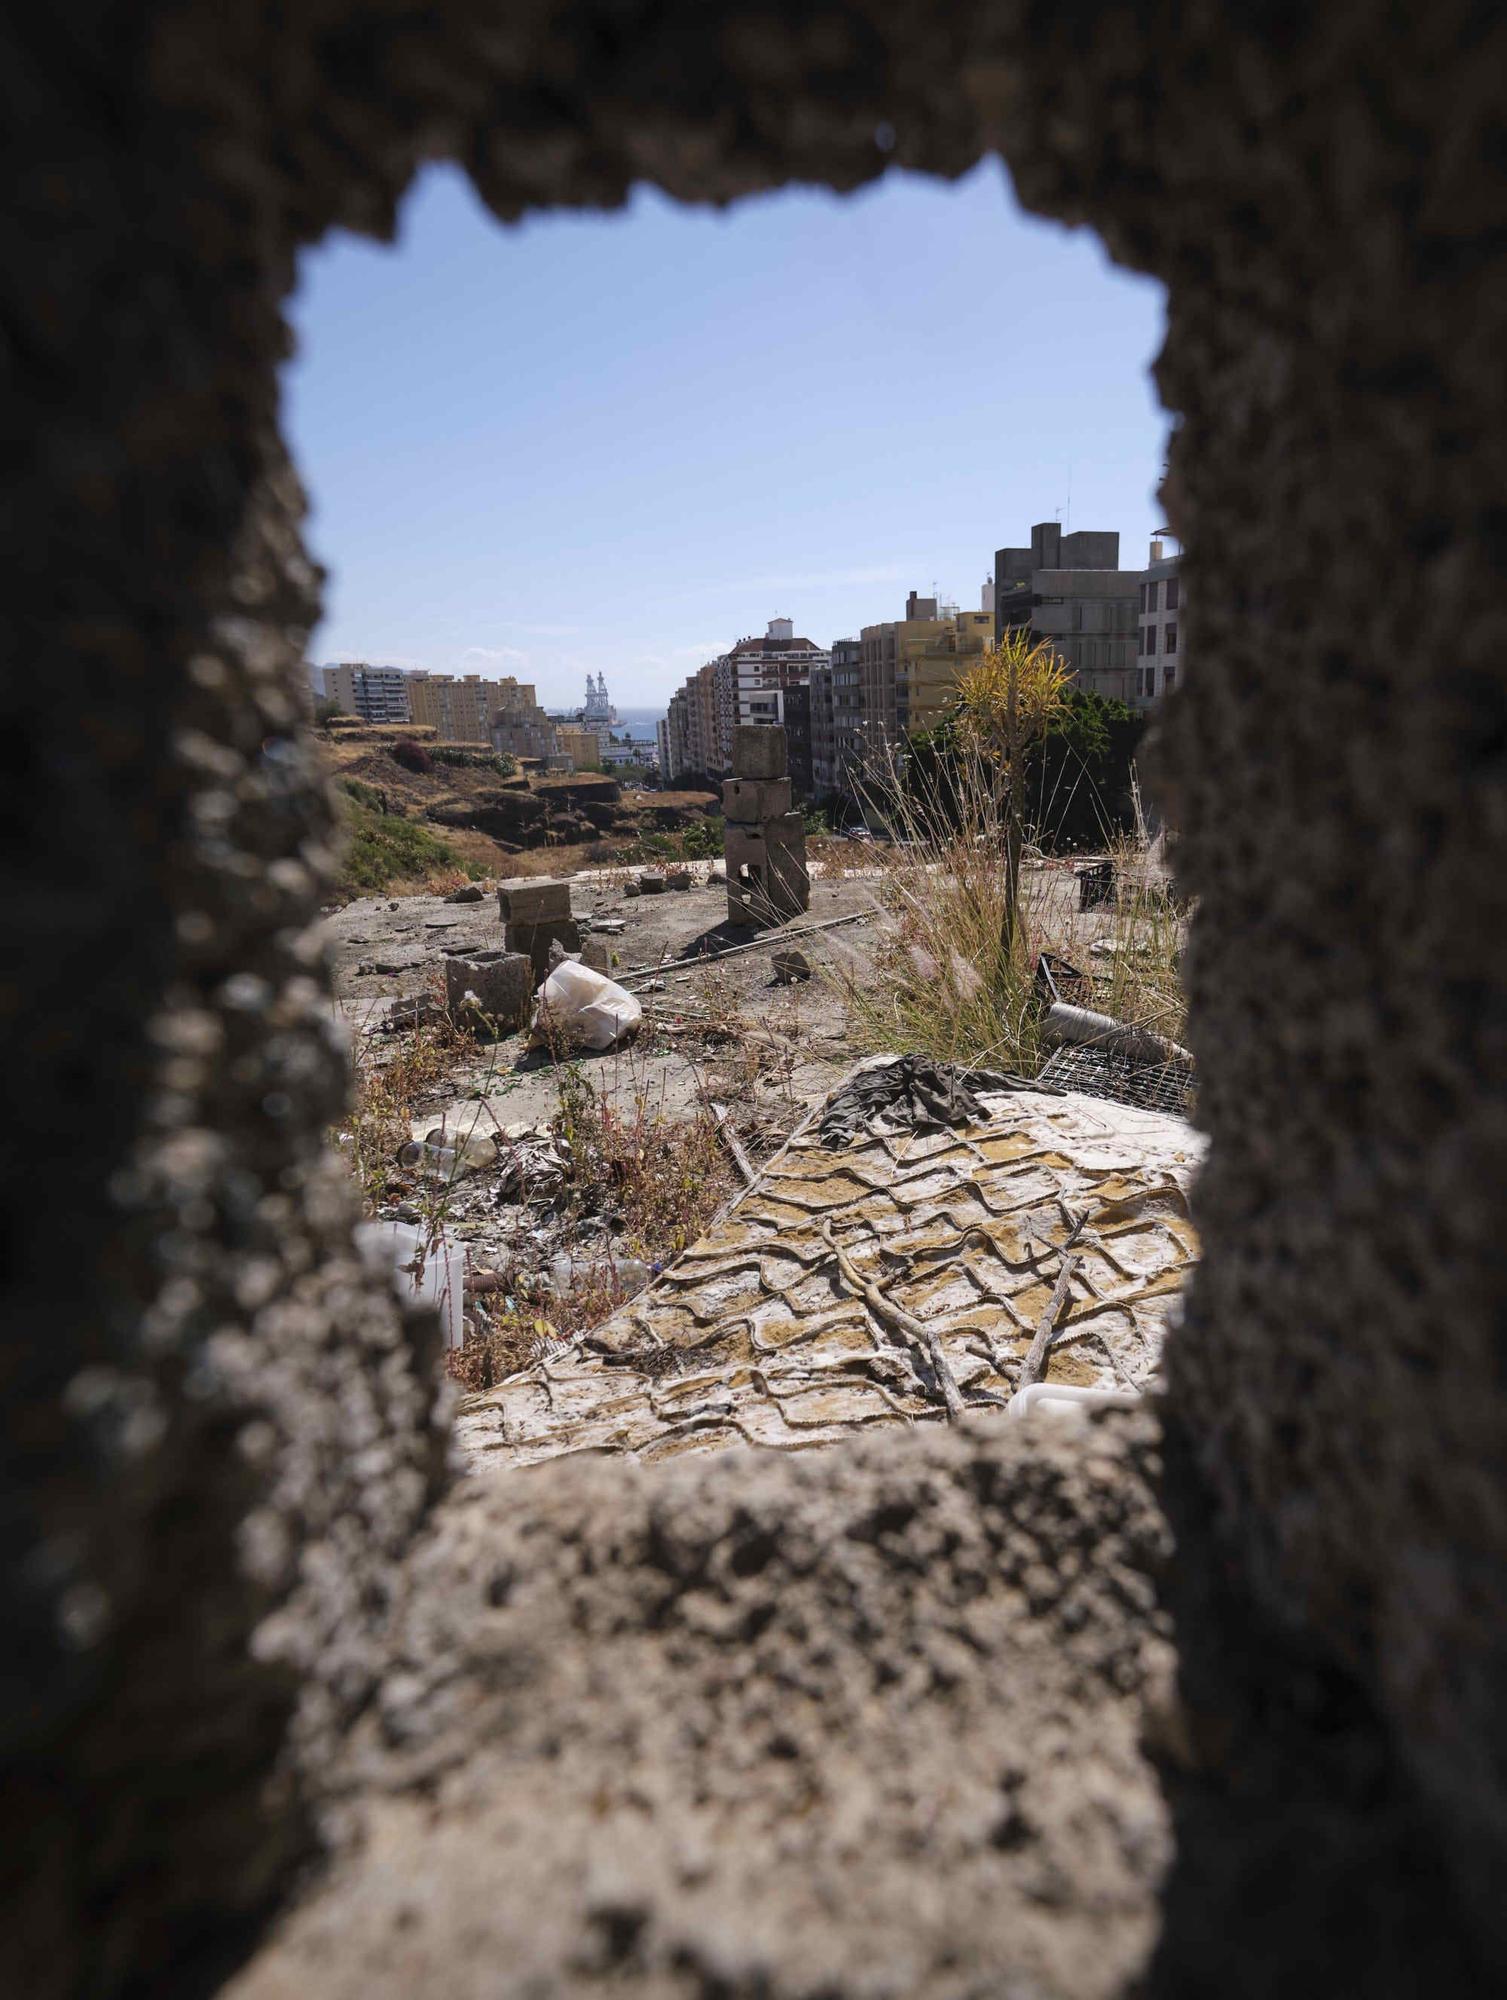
[
  {"x": 767, "y": 878},
  {"x": 489, "y": 991},
  {"x": 535, "y": 915}
]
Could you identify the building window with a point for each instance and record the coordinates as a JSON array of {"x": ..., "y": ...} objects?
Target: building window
[
  {"x": 1151, "y": 639},
  {"x": 1169, "y": 644},
  {"x": 1174, "y": 593},
  {"x": 1143, "y": 597},
  {"x": 1169, "y": 679},
  {"x": 1151, "y": 596}
]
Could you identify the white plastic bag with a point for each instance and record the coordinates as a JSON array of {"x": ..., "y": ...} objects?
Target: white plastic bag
[{"x": 577, "y": 1004}]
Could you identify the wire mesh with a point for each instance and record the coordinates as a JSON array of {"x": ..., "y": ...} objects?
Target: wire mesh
[{"x": 1104, "y": 1073}]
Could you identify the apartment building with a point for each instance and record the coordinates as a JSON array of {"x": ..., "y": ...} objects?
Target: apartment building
[
  {"x": 698, "y": 735},
  {"x": 823, "y": 734},
  {"x": 376, "y": 694},
  {"x": 1160, "y": 652},
  {"x": 706, "y": 700},
  {"x": 779, "y": 660},
  {"x": 581, "y": 745},
  {"x": 1070, "y": 590},
  {"x": 847, "y": 711},
  {"x": 790, "y": 708},
  {"x": 929, "y": 669},
  {"x": 884, "y": 677},
  {"x": 675, "y": 739}
]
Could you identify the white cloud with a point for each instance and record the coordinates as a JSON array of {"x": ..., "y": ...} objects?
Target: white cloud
[{"x": 499, "y": 655}]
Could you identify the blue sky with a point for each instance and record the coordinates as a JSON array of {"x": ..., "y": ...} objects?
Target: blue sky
[{"x": 619, "y": 442}]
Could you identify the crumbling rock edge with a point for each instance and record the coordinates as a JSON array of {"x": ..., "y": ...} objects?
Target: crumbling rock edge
[{"x": 901, "y": 1717}]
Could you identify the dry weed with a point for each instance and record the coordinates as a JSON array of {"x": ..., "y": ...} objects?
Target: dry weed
[{"x": 954, "y": 974}]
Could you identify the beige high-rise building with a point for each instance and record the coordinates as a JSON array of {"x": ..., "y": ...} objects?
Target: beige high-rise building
[
  {"x": 471, "y": 709},
  {"x": 931, "y": 664},
  {"x": 376, "y": 694},
  {"x": 885, "y": 653}
]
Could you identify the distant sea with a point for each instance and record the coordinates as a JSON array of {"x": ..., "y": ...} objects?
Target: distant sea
[{"x": 639, "y": 722}]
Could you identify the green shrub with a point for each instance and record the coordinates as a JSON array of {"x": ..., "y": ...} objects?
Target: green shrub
[
  {"x": 503, "y": 762},
  {"x": 382, "y": 849}
]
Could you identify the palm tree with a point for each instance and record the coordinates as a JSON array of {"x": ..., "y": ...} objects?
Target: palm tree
[{"x": 1007, "y": 702}]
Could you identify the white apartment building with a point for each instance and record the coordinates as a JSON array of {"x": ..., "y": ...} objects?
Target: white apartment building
[
  {"x": 778, "y": 660},
  {"x": 376, "y": 694},
  {"x": 1160, "y": 649}
]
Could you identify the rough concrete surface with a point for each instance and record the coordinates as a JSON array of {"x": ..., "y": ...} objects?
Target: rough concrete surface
[
  {"x": 755, "y": 1333},
  {"x": 763, "y": 1727},
  {"x": 219, "y": 1438},
  {"x": 901, "y": 1718}
]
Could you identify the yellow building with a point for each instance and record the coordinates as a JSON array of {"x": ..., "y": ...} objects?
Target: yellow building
[
  {"x": 933, "y": 661},
  {"x": 463, "y": 709},
  {"x": 581, "y": 746}
]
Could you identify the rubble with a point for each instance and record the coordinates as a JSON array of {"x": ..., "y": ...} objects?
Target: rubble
[{"x": 966, "y": 1229}]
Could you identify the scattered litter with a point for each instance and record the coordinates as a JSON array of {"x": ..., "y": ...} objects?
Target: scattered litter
[
  {"x": 441, "y": 1152},
  {"x": 431, "y": 1269},
  {"x": 1098, "y": 1072},
  {"x": 1081, "y": 1026},
  {"x": 535, "y": 1165},
  {"x": 1096, "y": 885},
  {"x": 1060, "y": 980},
  {"x": 907, "y": 1094},
  {"x": 417, "y": 1011},
  {"x": 579, "y": 1004},
  {"x": 1024, "y": 1401}
]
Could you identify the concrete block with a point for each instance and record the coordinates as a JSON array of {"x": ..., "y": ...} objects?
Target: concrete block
[
  {"x": 533, "y": 900},
  {"x": 786, "y": 830},
  {"x": 767, "y": 879},
  {"x": 760, "y": 751},
  {"x": 536, "y": 939},
  {"x": 489, "y": 992},
  {"x": 750, "y": 799},
  {"x": 652, "y": 882}
]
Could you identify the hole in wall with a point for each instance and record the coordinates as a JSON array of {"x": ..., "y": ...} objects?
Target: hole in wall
[{"x": 614, "y": 443}]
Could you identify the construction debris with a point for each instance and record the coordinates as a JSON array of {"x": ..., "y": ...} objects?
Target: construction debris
[
  {"x": 580, "y": 1007},
  {"x": 830, "y": 1294},
  {"x": 899, "y": 1094}
]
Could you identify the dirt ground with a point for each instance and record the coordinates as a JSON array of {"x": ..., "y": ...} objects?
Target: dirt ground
[{"x": 385, "y": 947}]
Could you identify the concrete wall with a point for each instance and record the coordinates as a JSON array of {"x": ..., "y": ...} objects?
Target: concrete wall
[{"x": 219, "y": 1436}]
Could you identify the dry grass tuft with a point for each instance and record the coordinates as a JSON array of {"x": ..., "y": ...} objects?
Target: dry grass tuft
[
  {"x": 954, "y": 977},
  {"x": 390, "y": 1078}
]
